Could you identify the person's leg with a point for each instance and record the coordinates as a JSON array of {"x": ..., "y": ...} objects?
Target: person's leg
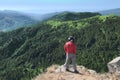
[
  {"x": 74, "y": 63},
  {"x": 67, "y": 61}
]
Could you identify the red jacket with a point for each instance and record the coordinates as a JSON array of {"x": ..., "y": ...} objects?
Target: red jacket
[{"x": 70, "y": 47}]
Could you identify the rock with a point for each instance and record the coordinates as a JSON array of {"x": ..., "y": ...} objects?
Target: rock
[
  {"x": 60, "y": 69},
  {"x": 92, "y": 72},
  {"x": 114, "y": 65}
]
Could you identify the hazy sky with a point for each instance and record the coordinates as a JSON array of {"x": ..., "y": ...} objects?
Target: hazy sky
[{"x": 46, "y": 6}]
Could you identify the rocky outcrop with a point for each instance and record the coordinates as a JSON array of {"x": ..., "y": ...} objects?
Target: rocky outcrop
[
  {"x": 56, "y": 72},
  {"x": 59, "y": 73},
  {"x": 114, "y": 65},
  {"x": 81, "y": 70}
]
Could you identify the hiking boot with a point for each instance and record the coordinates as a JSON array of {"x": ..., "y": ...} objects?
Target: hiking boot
[
  {"x": 76, "y": 71},
  {"x": 67, "y": 70}
]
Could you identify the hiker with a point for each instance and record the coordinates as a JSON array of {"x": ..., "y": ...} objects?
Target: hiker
[{"x": 70, "y": 50}]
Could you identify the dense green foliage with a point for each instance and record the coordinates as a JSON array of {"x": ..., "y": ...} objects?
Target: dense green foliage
[
  {"x": 10, "y": 20},
  {"x": 26, "y": 52},
  {"x": 66, "y": 16}
]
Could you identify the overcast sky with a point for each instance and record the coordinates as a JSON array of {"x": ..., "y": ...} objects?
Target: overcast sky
[{"x": 47, "y": 6}]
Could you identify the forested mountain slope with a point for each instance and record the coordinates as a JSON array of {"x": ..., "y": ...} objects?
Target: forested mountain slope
[{"x": 26, "y": 52}]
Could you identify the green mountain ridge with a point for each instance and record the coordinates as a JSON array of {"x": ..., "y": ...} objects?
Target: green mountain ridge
[
  {"x": 66, "y": 16},
  {"x": 11, "y": 20},
  {"x": 26, "y": 52}
]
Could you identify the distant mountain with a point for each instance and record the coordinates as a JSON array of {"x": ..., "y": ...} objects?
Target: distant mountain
[
  {"x": 10, "y": 20},
  {"x": 42, "y": 17},
  {"x": 66, "y": 16},
  {"x": 111, "y": 11}
]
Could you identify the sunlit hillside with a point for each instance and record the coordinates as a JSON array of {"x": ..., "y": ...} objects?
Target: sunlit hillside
[{"x": 27, "y": 52}]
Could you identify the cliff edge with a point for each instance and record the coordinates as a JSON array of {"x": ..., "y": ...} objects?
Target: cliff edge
[{"x": 56, "y": 72}]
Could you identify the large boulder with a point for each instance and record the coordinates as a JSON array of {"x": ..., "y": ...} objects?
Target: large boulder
[{"x": 114, "y": 65}]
